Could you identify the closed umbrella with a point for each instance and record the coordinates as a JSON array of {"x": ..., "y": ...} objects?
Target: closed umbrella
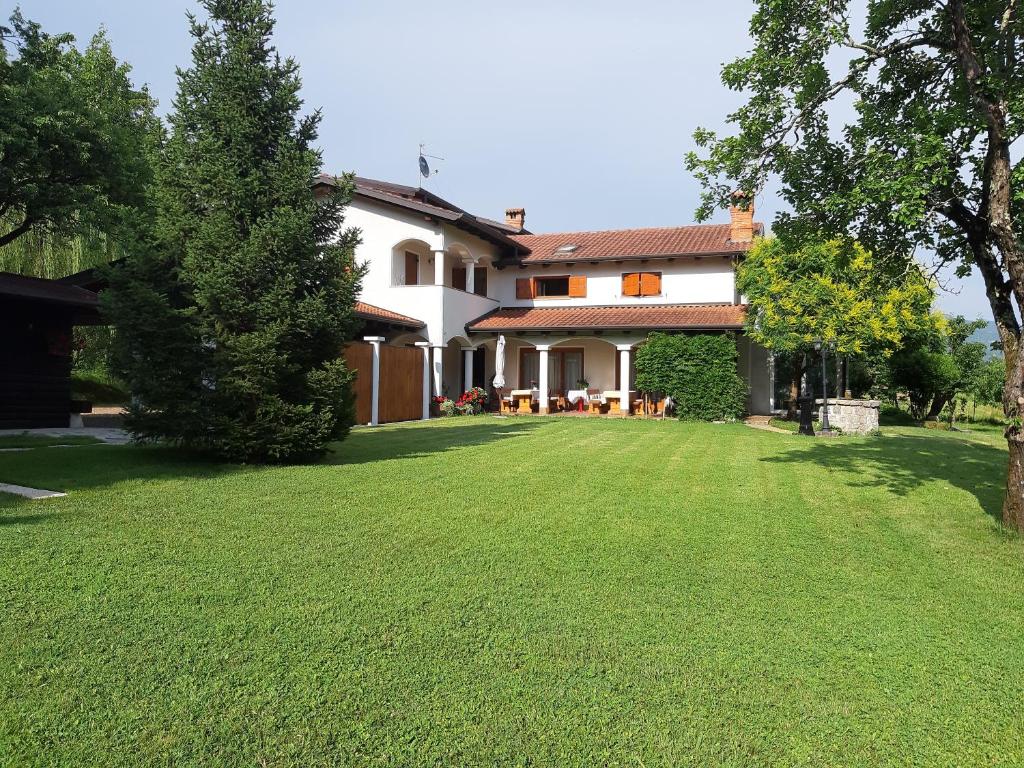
[{"x": 499, "y": 364}]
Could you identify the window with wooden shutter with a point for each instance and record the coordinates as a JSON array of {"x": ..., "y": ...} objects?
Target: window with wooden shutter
[
  {"x": 631, "y": 284},
  {"x": 524, "y": 287},
  {"x": 459, "y": 278},
  {"x": 650, "y": 283},
  {"x": 480, "y": 281},
  {"x": 412, "y": 264},
  {"x": 578, "y": 286}
]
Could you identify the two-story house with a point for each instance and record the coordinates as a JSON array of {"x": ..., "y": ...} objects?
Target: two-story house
[{"x": 570, "y": 305}]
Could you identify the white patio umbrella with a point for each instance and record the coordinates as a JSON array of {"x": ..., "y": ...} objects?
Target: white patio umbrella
[{"x": 499, "y": 364}]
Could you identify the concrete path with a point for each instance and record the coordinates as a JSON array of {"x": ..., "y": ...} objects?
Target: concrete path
[
  {"x": 29, "y": 493},
  {"x": 762, "y": 422},
  {"x": 109, "y": 435}
]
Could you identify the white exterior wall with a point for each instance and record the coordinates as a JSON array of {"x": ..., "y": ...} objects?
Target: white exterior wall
[
  {"x": 754, "y": 367},
  {"x": 683, "y": 281},
  {"x": 387, "y": 232}
]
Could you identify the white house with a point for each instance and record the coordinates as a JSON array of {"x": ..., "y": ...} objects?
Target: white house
[{"x": 570, "y": 305}]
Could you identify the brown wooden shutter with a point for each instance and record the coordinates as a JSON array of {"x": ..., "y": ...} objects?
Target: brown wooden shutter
[
  {"x": 524, "y": 287},
  {"x": 459, "y": 278},
  {"x": 411, "y": 268},
  {"x": 577, "y": 286},
  {"x": 650, "y": 283},
  {"x": 480, "y": 281},
  {"x": 631, "y": 284}
]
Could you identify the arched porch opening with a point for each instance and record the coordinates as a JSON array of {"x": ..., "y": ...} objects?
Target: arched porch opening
[{"x": 411, "y": 263}]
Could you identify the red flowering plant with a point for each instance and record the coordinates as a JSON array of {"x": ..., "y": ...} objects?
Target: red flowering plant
[{"x": 472, "y": 400}]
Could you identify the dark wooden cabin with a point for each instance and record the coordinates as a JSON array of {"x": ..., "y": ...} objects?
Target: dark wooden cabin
[{"x": 37, "y": 317}]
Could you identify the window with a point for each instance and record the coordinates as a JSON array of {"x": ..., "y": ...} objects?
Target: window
[
  {"x": 412, "y": 263},
  {"x": 459, "y": 278},
  {"x": 551, "y": 286},
  {"x": 563, "y": 287},
  {"x": 480, "y": 281},
  {"x": 641, "y": 284},
  {"x": 565, "y": 368}
]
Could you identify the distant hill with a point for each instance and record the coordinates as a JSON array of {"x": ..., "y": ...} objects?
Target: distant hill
[{"x": 986, "y": 336}]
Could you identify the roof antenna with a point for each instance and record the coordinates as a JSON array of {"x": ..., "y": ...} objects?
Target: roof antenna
[{"x": 424, "y": 166}]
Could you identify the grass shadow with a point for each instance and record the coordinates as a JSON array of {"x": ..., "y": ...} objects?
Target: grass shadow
[
  {"x": 417, "y": 439},
  {"x": 903, "y": 463},
  {"x": 91, "y": 467}
]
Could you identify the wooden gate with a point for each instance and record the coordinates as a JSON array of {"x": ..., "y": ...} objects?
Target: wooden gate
[
  {"x": 359, "y": 358},
  {"x": 401, "y": 382}
]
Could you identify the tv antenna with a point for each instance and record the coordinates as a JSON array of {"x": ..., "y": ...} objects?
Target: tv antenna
[{"x": 425, "y": 171}]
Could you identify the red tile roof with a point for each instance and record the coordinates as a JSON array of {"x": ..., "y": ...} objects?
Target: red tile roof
[
  {"x": 646, "y": 317},
  {"x": 696, "y": 240},
  {"x": 370, "y": 312}
]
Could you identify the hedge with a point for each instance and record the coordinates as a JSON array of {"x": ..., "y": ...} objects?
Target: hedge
[{"x": 697, "y": 372}]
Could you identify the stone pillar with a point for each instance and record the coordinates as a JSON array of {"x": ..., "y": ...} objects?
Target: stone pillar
[
  {"x": 425, "y": 346},
  {"x": 624, "y": 350},
  {"x": 467, "y": 366},
  {"x": 542, "y": 379},
  {"x": 438, "y": 267},
  {"x": 470, "y": 275},
  {"x": 375, "y": 342},
  {"x": 438, "y": 365}
]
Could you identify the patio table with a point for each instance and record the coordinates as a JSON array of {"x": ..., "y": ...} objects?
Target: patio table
[
  {"x": 577, "y": 397},
  {"x": 524, "y": 398}
]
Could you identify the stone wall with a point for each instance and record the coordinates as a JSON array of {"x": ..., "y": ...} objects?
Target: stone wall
[{"x": 853, "y": 417}]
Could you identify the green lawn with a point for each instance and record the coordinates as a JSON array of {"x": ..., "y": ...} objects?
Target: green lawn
[
  {"x": 27, "y": 440},
  {"x": 483, "y": 591}
]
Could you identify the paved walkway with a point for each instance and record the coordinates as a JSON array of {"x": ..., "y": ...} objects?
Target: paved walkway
[
  {"x": 763, "y": 422},
  {"x": 109, "y": 435},
  {"x": 29, "y": 493}
]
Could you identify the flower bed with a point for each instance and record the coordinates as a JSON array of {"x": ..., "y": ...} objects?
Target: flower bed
[{"x": 469, "y": 402}]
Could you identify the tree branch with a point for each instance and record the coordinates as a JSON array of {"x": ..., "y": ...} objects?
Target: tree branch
[{"x": 17, "y": 232}]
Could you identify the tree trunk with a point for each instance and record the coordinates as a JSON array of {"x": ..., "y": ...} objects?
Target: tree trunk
[
  {"x": 995, "y": 219},
  {"x": 938, "y": 403},
  {"x": 797, "y": 373}
]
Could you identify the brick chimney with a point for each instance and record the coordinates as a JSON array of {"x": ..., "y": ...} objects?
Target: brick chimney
[
  {"x": 741, "y": 215},
  {"x": 516, "y": 217}
]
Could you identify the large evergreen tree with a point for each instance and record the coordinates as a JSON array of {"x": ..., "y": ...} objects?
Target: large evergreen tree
[{"x": 232, "y": 314}]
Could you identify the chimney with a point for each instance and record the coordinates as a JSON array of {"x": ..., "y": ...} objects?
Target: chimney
[
  {"x": 741, "y": 214},
  {"x": 516, "y": 218}
]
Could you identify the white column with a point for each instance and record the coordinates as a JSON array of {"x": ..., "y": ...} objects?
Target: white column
[
  {"x": 542, "y": 380},
  {"x": 438, "y": 361},
  {"x": 374, "y": 342},
  {"x": 624, "y": 377},
  {"x": 467, "y": 363},
  {"x": 438, "y": 267},
  {"x": 425, "y": 346},
  {"x": 470, "y": 275}
]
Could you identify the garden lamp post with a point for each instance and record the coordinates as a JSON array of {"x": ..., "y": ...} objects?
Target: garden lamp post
[{"x": 820, "y": 346}]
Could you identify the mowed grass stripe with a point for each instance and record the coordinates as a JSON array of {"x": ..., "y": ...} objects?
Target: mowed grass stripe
[{"x": 507, "y": 591}]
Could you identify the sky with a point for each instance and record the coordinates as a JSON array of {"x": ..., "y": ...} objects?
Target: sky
[{"x": 580, "y": 111}]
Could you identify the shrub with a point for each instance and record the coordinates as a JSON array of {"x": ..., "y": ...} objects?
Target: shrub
[
  {"x": 472, "y": 400},
  {"x": 446, "y": 406},
  {"x": 697, "y": 372}
]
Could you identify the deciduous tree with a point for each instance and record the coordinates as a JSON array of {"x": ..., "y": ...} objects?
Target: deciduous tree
[
  {"x": 831, "y": 292},
  {"x": 937, "y": 88},
  {"x": 75, "y": 136}
]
